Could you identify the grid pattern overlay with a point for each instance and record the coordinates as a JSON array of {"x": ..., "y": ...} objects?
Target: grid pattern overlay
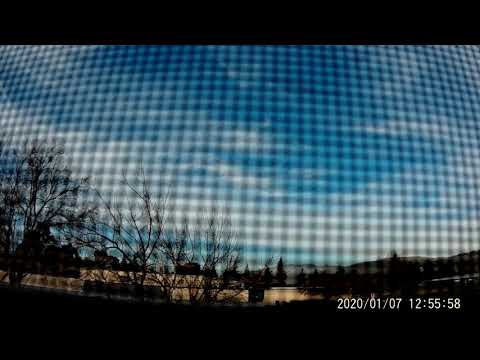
[{"x": 320, "y": 154}]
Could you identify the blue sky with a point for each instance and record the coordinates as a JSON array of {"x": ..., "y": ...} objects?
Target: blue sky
[{"x": 324, "y": 154}]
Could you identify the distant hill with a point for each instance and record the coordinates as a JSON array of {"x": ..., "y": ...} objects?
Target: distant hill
[
  {"x": 307, "y": 268},
  {"x": 294, "y": 270},
  {"x": 472, "y": 255},
  {"x": 374, "y": 265}
]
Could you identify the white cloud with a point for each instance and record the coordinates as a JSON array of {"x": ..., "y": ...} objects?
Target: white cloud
[
  {"x": 277, "y": 223},
  {"x": 408, "y": 128}
]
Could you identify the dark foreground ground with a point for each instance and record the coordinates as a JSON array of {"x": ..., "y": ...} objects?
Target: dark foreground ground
[
  {"x": 50, "y": 319},
  {"x": 33, "y": 300},
  {"x": 39, "y": 308}
]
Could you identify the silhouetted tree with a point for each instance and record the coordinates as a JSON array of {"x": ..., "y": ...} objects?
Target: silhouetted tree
[
  {"x": 339, "y": 280},
  {"x": 210, "y": 244},
  {"x": 314, "y": 279},
  {"x": 300, "y": 280},
  {"x": 394, "y": 272},
  {"x": 256, "y": 281},
  {"x": 246, "y": 272},
  {"x": 155, "y": 248},
  {"x": 281, "y": 275},
  {"x": 267, "y": 277},
  {"x": 37, "y": 194},
  {"x": 231, "y": 274},
  {"x": 133, "y": 232}
]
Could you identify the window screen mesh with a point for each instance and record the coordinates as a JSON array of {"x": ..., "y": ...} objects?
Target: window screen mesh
[{"x": 324, "y": 155}]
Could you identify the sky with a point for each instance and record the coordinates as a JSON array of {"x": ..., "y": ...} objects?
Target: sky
[{"x": 320, "y": 154}]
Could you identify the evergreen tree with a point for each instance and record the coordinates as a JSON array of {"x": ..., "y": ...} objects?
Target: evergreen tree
[
  {"x": 394, "y": 272},
  {"x": 301, "y": 279},
  {"x": 314, "y": 279},
  {"x": 281, "y": 275},
  {"x": 267, "y": 277},
  {"x": 246, "y": 272}
]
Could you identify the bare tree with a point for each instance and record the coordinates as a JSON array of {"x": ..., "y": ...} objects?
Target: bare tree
[
  {"x": 210, "y": 245},
  {"x": 153, "y": 247},
  {"x": 38, "y": 194},
  {"x": 132, "y": 232}
]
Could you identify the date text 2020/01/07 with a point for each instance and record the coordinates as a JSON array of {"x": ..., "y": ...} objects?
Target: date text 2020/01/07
[
  {"x": 357, "y": 303},
  {"x": 397, "y": 303}
]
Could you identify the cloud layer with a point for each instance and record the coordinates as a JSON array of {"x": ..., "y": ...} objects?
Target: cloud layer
[{"x": 320, "y": 154}]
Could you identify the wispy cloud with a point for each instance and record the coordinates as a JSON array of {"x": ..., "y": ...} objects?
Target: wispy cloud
[{"x": 296, "y": 151}]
